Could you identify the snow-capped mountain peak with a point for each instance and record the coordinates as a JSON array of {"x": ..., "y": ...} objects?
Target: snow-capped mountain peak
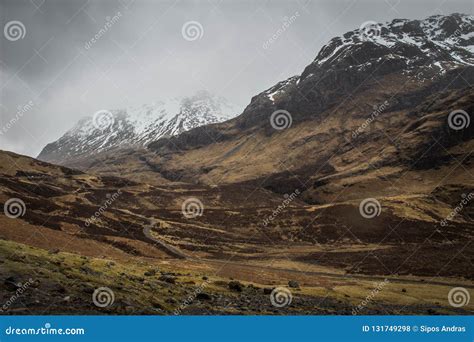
[
  {"x": 397, "y": 53},
  {"x": 137, "y": 126},
  {"x": 438, "y": 42}
]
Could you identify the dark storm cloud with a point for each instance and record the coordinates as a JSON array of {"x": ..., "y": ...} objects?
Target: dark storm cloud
[{"x": 81, "y": 56}]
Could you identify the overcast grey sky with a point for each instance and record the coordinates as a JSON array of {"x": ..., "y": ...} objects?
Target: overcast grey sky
[{"x": 142, "y": 56}]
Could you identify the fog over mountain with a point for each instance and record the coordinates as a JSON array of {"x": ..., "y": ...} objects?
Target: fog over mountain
[{"x": 137, "y": 126}]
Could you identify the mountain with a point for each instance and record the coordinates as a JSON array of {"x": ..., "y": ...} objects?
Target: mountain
[
  {"x": 368, "y": 104},
  {"x": 136, "y": 126},
  {"x": 408, "y": 45},
  {"x": 358, "y": 171}
]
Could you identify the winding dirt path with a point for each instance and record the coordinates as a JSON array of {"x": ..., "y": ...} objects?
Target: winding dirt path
[{"x": 174, "y": 252}]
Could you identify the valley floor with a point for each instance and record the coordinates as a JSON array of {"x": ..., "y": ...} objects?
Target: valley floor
[
  {"x": 142, "y": 255},
  {"x": 54, "y": 282}
]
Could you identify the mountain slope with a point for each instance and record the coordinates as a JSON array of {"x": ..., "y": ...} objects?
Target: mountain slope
[
  {"x": 136, "y": 127},
  {"x": 279, "y": 191},
  {"x": 364, "y": 104}
]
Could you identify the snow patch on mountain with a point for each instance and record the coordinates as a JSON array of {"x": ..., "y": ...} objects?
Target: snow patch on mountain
[
  {"x": 435, "y": 39},
  {"x": 280, "y": 88},
  {"x": 138, "y": 126}
]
